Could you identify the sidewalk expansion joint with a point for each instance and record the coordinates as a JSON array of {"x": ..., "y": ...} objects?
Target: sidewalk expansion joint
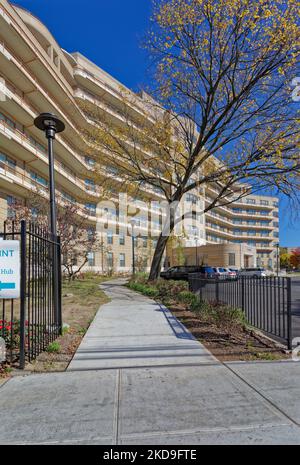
[
  {"x": 117, "y": 407},
  {"x": 259, "y": 393}
]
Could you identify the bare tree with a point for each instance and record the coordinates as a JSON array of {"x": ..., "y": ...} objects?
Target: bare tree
[
  {"x": 77, "y": 239},
  {"x": 223, "y": 112}
]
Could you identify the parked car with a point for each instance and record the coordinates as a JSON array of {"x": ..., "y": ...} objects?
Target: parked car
[
  {"x": 220, "y": 273},
  {"x": 253, "y": 272},
  {"x": 182, "y": 272},
  {"x": 230, "y": 273}
]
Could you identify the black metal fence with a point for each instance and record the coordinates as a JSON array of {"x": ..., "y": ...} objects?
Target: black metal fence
[
  {"x": 29, "y": 324},
  {"x": 265, "y": 301}
]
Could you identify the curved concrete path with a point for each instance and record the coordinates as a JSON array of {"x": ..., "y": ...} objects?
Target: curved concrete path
[
  {"x": 134, "y": 331},
  {"x": 140, "y": 378}
]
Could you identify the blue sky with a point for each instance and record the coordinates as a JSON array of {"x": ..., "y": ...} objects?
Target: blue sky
[{"x": 109, "y": 33}]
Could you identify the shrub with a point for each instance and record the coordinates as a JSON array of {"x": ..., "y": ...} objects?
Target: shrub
[
  {"x": 187, "y": 297},
  {"x": 144, "y": 289},
  {"x": 140, "y": 278},
  {"x": 54, "y": 347},
  {"x": 170, "y": 289},
  {"x": 201, "y": 306},
  {"x": 226, "y": 316}
]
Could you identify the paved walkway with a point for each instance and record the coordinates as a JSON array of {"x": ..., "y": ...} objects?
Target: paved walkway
[
  {"x": 133, "y": 331},
  {"x": 140, "y": 378}
]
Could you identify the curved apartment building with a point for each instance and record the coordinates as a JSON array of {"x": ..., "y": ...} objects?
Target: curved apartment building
[{"x": 36, "y": 75}]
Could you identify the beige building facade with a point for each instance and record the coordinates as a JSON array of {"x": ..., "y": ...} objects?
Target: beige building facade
[
  {"x": 234, "y": 256},
  {"x": 36, "y": 75}
]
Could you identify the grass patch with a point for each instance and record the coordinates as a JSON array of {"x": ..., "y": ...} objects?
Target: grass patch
[{"x": 81, "y": 300}]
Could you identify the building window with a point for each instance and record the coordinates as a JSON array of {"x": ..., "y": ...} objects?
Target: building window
[
  {"x": 11, "y": 201},
  {"x": 231, "y": 259},
  {"x": 68, "y": 197},
  {"x": 91, "y": 208},
  {"x": 110, "y": 238},
  {"x": 122, "y": 260},
  {"x": 122, "y": 238},
  {"x": 89, "y": 161},
  {"x": 91, "y": 258},
  {"x": 264, "y": 202},
  {"x": 91, "y": 233},
  {"x": 191, "y": 198},
  {"x": 34, "y": 213},
  {"x": 145, "y": 242},
  {"x": 90, "y": 185},
  {"x": 7, "y": 161},
  {"x": 39, "y": 179},
  {"x": 111, "y": 170},
  {"x": 110, "y": 260},
  {"x": 7, "y": 120}
]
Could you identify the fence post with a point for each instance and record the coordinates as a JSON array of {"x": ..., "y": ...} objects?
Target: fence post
[
  {"x": 59, "y": 284},
  {"x": 243, "y": 292},
  {"x": 289, "y": 313},
  {"x": 217, "y": 289},
  {"x": 23, "y": 296}
]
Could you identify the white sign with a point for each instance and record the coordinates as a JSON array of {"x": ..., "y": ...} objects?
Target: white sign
[{"x": 9, "y": 269}]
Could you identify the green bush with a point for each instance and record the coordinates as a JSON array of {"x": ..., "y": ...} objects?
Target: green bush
[
  {"x": 187, "y": 297},
  {"x": 144, "y": 289},
  {"x": 170, "y": 289},
  {"x": 54, "y": 347},
  {"x": 226, "y": 316},
  {"x": 202, "y": 307},
  {"x": 161, "y": 289}
]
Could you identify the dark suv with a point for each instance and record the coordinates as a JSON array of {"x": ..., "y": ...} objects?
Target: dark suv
[{"x": 182, "y": 272}]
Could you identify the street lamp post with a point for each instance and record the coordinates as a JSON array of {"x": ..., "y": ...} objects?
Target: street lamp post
[
  {"x": 51, "y": 125},
  {"x": 196, "y": 241},
  {"x": 133, "y": 224}
]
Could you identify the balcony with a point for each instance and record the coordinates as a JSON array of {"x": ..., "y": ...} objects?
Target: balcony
[
  {"x": 242, "y": 224},
  {"x": 27, "y": 143},
  {"x": 39, "y": 94}
]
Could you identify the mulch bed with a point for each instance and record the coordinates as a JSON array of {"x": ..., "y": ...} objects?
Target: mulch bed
[{"x": 229, "y": 344}]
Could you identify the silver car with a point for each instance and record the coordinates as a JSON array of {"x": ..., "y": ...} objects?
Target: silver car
[
  {"x": 231, "y": 274},
  {"x": 220, "y": 273},
  {"x": 253, "y": 272}
]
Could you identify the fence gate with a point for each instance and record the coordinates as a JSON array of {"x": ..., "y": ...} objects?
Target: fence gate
[{"x": 30, "y": 323}]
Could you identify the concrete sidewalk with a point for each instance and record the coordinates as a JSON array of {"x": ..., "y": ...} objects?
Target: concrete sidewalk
[
  {"x": 140, "y": 378},
  {"x": 134, "y": 331}
]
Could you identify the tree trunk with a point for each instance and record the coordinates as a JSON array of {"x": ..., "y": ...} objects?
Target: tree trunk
[
  {"x": 167, "y": 230},
  {"x": 157, "y": 257}
]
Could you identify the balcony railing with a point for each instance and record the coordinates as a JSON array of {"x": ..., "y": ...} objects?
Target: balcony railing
[{"x": 59, "y": 167}]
